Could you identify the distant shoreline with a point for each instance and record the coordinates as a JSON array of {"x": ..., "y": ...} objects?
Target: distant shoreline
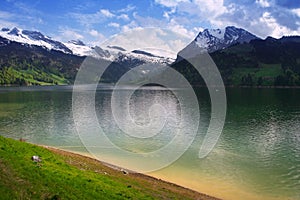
[
  {"x": 111, "y": 86},
  {"x": 279, "y": 87}
]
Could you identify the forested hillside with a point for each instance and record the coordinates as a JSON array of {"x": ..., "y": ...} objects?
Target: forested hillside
[{"x": 269, "y": 62}]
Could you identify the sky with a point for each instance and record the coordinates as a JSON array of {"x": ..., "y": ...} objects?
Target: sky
[{"x": 95, "y": 21}]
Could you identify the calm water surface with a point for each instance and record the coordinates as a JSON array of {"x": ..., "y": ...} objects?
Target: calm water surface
[{"x": 256, "y": 157}]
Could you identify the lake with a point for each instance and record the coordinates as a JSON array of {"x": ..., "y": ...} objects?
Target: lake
[{"x": 256, "y": 157}]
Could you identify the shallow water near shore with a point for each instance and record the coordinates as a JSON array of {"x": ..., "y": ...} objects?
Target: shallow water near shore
[{"x": 256, "y": 157}]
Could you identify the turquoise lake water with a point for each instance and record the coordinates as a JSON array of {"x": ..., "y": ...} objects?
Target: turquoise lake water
[{"x": 256, "y": 157}]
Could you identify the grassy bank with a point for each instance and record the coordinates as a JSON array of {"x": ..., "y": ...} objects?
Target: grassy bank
[{"x": 64, "y": 175}]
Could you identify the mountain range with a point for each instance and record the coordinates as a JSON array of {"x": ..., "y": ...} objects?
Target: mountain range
[
  {"x": 30, "y": 57},
  {"x": 75, "y": 47},
  {"x": 210, "y": 39}
]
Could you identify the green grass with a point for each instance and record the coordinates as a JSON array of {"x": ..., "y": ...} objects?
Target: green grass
[
  {"x": 32, "y": 77},
  {"x": 38, "y": 77},
  {"x": 271, "y": 70},
  {"x": 63, "y": 175},
  {"x": 268, "y": 72}
]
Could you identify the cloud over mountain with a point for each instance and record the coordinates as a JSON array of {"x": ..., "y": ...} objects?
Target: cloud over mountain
[{"x": 65, "y": 19}]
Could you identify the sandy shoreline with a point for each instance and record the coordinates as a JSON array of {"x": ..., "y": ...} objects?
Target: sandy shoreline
[
  {"x": 143, "y": 177},
  {"x": 200, "y": 187}
]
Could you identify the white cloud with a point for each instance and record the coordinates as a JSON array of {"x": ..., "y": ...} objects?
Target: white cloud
[
  {"x": 296, "y": 11},
  {"x": 174, "y": 24},
  {"x": 6, "y": 15},
  {"x": 106, "y": 13},
  {"x": 91, "y": 37},
  {"x": 94, "y": 33},
  {"x": 123, "y": 16},
  {"x": 276, "y": 22},
  {"x": 71, "y": 34},
  {"x": 113, "y": 24},
  {"x": 8, "y": 24},
  {"x": 177, "y": 27},
  {"x": 198, "y": 8},
  {"x": 129, "y": 26},
  {"x": 148, "y": 21},
  {"x": 96, "y": 38},
  {"x": 198, "y": 29},
  {"x": 166, "y": 15},
  {"x": 211, "y": 8},
  {"x": 170, "y": 3},
  {"x": 179, "y": 44},
  {"x": 88, "y": 20},
  {"x": 152, "y": 39},
  {"x": 263, "y": 3},
  {"x": 185, "y": 14},
  {"x": 66, "y": 34},
  {"x": 275, "y": 29},
  {"x": 127, "y": 9},
  {"x": 6, "y": 20}
]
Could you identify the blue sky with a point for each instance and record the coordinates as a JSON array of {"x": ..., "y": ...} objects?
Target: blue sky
[{"x": 94, "y": 21}]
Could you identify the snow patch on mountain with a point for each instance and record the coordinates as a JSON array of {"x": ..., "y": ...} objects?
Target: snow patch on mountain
[
  {"x": 160, "y": 53},
  {"x": 79, "y": 48},
  {"x": 217, "y": 33}
]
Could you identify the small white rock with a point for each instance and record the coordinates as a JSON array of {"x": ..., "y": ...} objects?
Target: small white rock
[{"x": 36, "y": 159}]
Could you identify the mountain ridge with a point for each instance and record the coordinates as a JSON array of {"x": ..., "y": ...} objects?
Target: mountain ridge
[
  {"x": 242, "y": 58},
  {"x": 216, "y": 39}
]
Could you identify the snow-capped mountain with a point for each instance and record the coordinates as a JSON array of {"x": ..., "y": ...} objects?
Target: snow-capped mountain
[
  {"x": 77, "y": 47},
  {"x": 211, "y": 40},
  {"x": 33, "y": 38},
  {"x": 216, "y": 39}
]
